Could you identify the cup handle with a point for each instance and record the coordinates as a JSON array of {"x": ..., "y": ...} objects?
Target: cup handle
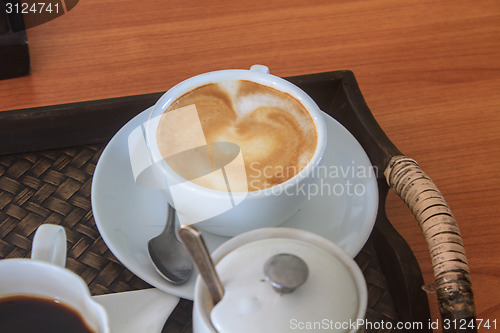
[
  {"x": 260, "y": 68},
  {"x": 49, "y": 244}
]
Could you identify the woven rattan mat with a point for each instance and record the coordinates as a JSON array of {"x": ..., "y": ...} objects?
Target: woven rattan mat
[{"x": 54, "y": 187}]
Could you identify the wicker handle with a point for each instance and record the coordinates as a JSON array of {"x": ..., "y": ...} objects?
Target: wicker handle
[{"x": 451, "y": 271}]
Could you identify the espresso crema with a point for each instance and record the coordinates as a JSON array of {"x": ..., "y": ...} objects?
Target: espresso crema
[{"x": 274, "y": 131}]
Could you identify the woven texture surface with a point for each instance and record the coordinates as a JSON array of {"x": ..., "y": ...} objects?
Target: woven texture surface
[{"x": 55, "y": 186}]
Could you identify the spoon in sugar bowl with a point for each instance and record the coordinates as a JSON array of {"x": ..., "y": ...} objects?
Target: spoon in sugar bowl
[
  {"x": 168, "y": 255},
  {"x": 198, "y": 251}
]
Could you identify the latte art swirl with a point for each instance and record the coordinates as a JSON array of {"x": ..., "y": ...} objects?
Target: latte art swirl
[{"x": 274, "y": 131}]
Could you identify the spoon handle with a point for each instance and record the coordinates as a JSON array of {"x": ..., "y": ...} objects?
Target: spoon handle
[{"x": 198, "y": 252}]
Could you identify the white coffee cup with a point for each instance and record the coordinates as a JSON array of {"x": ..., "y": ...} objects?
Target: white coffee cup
[
  {"x": 44, "y": 276},
  {"x": 334, "y": 293},
  {"x": 231, "y": 214}
]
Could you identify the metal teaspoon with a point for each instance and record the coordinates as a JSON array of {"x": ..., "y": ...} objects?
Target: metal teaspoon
[
  {"x": 168, "y": 255},
  {"x": 198, "y": 251}
]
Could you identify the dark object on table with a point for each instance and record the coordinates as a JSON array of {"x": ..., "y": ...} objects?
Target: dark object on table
[
  {"x": 54, "y": 186},
  {"x": 14, "y": 53}
]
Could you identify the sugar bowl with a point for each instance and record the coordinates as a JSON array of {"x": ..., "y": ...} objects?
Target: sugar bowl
[{"x": 281, "y": 280}]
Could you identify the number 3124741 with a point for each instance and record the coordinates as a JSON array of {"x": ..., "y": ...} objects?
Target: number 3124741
[{"x": 33, "y": 8}]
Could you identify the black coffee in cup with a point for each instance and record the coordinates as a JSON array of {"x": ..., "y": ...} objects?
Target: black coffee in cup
[{"x": 27, "y": 314}]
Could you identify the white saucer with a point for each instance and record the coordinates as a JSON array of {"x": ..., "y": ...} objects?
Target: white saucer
[
  {"x": 144, "y": 310},
  {"x": 127, "y": 215}
]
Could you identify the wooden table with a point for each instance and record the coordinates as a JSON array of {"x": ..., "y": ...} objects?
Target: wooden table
[{"x": 429, "y": 71}]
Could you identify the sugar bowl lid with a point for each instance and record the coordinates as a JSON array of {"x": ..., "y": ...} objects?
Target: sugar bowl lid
[{"x": 280, "y": 279}]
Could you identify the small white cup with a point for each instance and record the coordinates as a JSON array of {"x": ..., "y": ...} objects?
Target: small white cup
[
  {"x": 44, "y": 276},
  {"x": 255, "y": 302},
  {"x": 231, "y": 214}
]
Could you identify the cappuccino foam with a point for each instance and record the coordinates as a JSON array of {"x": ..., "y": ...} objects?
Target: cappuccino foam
[{"x": 274, "y": 131}]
